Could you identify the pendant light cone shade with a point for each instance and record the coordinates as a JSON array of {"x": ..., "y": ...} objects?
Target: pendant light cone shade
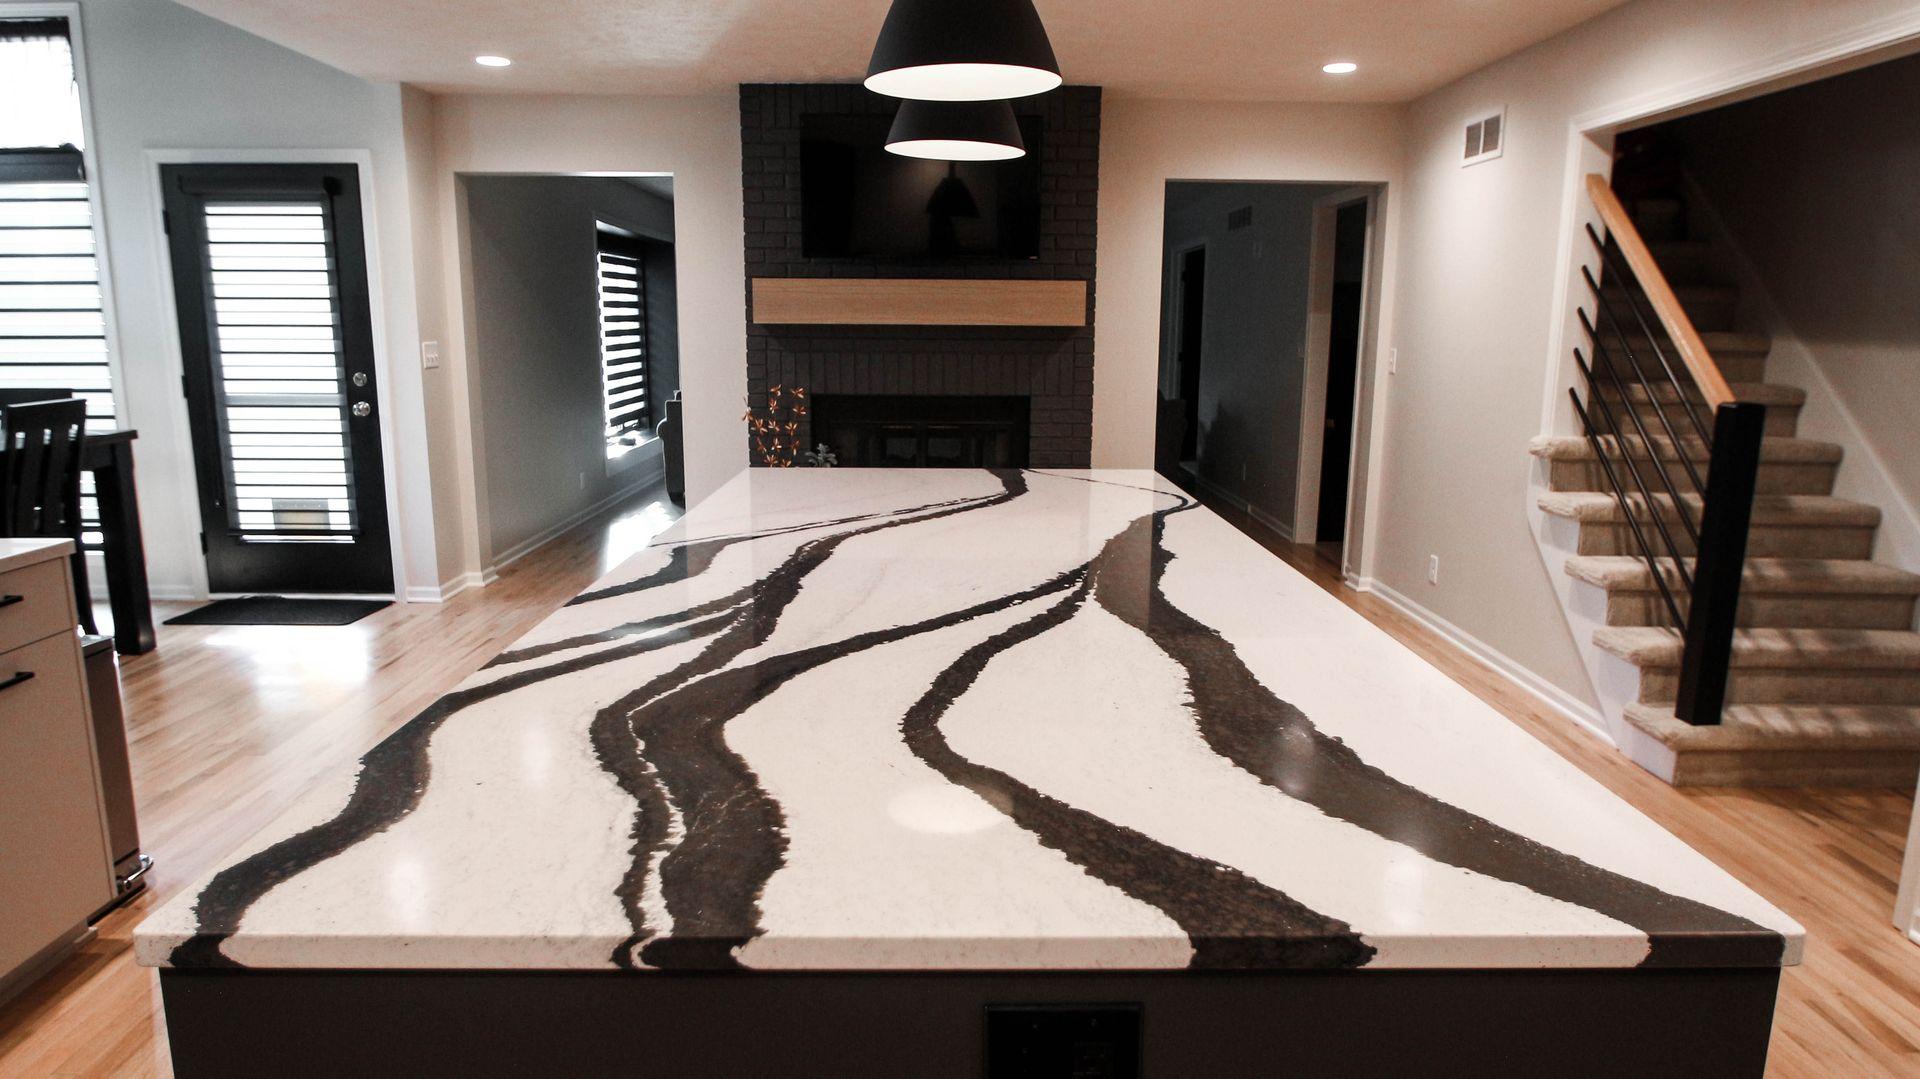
[
  {"x": 956, "y": 131},
  {"x": 962, "y": 50}
]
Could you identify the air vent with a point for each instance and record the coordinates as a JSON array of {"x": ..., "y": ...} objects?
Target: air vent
[
  {"x": 1486, "y": 138},
  {"x": 1240, "y": 219}
]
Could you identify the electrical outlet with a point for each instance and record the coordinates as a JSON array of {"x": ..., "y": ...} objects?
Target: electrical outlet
[
  {"x": 1433, "y": 569},
  {"x": 429, "y": 354},
  {"x": 583, "y": 481},
  {"x": 1393, "y": 361}
]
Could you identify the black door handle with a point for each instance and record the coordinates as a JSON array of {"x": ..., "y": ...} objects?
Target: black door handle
[
  {"x": 8, "y": 601},
  {"x": 18, "y": 677}
]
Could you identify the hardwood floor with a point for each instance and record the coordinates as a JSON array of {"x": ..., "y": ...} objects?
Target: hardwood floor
[{"x": 228, "y": 723}]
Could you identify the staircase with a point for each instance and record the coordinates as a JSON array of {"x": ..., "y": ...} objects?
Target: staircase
[{"x": 1824, "y": 680}]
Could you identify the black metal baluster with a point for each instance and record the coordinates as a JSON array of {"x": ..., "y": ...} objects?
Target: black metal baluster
[
  {"x": 1613, "y": 262},
  {"x": 1607, "y": 317},
  {"x": 1646, "y": 440},
  {"x": 1626, "y": 510},
  {"x": 1640, "y": 484}
]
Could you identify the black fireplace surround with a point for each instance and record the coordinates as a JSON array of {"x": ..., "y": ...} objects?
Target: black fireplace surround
[
  {"x": 1049, "y": 369},
  {"x": 878, "y": 431}
]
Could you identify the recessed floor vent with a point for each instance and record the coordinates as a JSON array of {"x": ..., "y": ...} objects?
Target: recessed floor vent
[{"x": 1486, "y": 138}]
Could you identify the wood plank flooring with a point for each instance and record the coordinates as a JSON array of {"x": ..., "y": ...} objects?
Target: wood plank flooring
[{"x": 229, "y": 723}]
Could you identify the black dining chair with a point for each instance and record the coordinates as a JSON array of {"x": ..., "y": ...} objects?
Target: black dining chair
[
  {"x": 40, "y": 481},
  {"x": 18, "y": 395}
]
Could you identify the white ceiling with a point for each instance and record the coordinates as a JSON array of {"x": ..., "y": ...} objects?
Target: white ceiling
[{"x": 1232, "y": 49}]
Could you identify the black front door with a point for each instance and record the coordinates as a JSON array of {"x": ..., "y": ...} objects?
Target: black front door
[{"x": 270, "y": 274}]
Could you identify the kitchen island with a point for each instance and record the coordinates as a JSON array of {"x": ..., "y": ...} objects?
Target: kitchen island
[{"x": 904, "y": 772}]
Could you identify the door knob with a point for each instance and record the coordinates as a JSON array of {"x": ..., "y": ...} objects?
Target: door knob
[{"x": 362, "y": 409}]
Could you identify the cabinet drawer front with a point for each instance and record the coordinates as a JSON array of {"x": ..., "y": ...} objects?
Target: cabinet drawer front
[
  {"x": 54, "y": 869},
  {"x": 42, "y": 607}
]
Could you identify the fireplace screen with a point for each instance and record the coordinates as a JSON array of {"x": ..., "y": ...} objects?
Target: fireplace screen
[{"x": 922, "y": 432}]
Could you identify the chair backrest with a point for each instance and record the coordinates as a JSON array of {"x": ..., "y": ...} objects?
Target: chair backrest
[
  {"x": 40, "y": 468},
  {"x": 26, "y": 395}
]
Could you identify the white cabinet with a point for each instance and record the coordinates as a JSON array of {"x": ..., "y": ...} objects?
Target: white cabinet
[{"x": 54, "y": 867}]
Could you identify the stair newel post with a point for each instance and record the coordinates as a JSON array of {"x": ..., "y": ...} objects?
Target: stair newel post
[{"x": 1733, "y": 471}]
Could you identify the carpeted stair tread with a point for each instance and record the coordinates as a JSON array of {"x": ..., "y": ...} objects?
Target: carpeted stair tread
[
  {"x": 1808, "y": 727},
  {"x": 1792, "y": 649},
  {"x": 1806, "y": 576},
  {"x": 1808, "y": 510},
  {"x": 1774, "y": 450}
]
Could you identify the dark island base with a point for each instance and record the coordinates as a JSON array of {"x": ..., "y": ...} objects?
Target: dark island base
[{"x": 802, "y": 1025}]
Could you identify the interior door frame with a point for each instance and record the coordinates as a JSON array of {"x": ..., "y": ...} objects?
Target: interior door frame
[
  {"x": 1175, "y": 320},
  {"x": 1313, "y": 386},
  {"x": 179, "y": 435}
]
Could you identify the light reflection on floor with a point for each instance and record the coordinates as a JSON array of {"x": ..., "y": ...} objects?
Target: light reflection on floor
[{"x": 634, "y": 529}]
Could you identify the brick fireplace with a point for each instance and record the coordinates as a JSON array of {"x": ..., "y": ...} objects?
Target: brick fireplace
[{"x": 1048, "y": 369}]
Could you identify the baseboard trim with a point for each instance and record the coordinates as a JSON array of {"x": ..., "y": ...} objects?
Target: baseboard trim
[
  {"x": 548, "y": 535},
  {"x": 1267, "y": 520},
  {"x": 1504, "y": 665}
]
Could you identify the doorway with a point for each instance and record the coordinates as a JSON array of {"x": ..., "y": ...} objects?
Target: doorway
[
  {"x": 270, "y": 278},
  {"x": 1193, "y": 313},
  {"x": 1343, "y": 364}
]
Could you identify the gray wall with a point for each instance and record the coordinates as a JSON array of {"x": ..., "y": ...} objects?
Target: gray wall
[
  {"x": 1817, "y": 186},
  {"x": 165, "y": 80},
  {"x": 1254, "y": 343},
  {"x": 536, "y": 348}
]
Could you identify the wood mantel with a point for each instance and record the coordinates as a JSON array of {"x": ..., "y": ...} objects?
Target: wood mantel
[{"x": 846, "y": 301}]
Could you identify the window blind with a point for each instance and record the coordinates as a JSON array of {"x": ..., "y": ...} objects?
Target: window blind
[
  {"x": 623, "y": 341},
  {"x": 278, "y": 369},
  {"x": 52, "y": 320}
]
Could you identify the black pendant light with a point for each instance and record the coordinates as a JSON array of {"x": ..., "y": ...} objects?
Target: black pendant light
[
  {"x": 956, "y": 131},
  {"x": 962, "y": 50}
]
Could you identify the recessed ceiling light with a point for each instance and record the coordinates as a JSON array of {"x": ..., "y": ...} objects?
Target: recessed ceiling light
[
  {"x": 1340, "y": 67},
  {"x": 492, "y": 61}
]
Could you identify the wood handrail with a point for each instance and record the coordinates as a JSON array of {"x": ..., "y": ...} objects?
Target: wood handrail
[{"x": 1686, "y": 340}]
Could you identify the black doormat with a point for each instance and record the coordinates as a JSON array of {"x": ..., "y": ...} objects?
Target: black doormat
[{"x": 279, "y": 611}]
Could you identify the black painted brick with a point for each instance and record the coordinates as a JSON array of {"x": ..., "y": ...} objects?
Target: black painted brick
[{"x": 1052, "y": 367}]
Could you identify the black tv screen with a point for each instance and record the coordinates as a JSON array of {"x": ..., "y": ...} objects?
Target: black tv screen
[{"x": 859, "y": 201}]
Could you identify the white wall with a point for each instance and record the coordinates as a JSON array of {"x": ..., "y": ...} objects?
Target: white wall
[
  {"x": 1253, "y": 351},
  {"x": 1480, "y": 285},
  {"x": 1143, "y": 145},
  {"x": 535, "y": 353},
  {"x": 164, "y": 79},
  {"x": 695, "y": 139}
]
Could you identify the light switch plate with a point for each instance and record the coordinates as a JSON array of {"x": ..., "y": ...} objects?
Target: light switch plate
[{"x": 429, "y": 354}]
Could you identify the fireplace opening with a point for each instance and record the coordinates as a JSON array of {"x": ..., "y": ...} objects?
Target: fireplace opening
[{"x": 875, "y": 431}]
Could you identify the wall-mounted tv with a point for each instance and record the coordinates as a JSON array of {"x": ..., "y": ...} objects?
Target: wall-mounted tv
[{"x": 859, "y": 201}]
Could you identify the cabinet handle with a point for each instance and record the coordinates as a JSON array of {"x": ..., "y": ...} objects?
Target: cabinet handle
[
  {"x": 19, "y": 677},
  {"x": 8, "y": 601}
]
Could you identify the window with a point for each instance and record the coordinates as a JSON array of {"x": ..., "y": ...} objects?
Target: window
[
  {"x": 623, "y": 341},
  {"x": 52, "y": 325}
]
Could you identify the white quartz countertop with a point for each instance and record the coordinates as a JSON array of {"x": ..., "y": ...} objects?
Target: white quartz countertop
[
  {"x": 15, "y": 553},
  {"x": 932, "y": 720}
]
